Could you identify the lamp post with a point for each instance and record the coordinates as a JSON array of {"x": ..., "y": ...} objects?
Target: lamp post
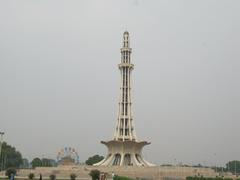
[
  {"x": 215, "y": 162},
  {"x": 1, "y": 141},
  {"x": 175, "y": 169},
  {"x": 235, "y": 168}
]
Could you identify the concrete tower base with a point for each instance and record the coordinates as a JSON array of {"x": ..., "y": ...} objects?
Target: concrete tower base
[{"x": 124, "y": 153}]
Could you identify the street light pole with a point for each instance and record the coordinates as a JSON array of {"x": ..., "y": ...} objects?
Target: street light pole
[
  {"x": 215, "y": 162},
  {"x": 235, "y": 168},
  {"x": 1, "y": 141}
]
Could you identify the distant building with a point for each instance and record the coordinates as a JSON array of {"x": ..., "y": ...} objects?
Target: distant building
[{"x": 67, "y": 156}]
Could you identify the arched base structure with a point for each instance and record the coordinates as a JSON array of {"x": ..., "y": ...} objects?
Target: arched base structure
[{"x": 124, "y": 153}]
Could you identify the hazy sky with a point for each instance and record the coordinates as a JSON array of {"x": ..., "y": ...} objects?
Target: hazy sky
[{"x": 59, "y": 81}]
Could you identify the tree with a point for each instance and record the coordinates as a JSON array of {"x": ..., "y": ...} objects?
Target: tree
[
  {"x": 25, "y": 163},
  {"x": 48, "y": 162},
  {"x": 10, "y": 157},
  {"x": 233, "y": 166},
  {"x": 31, "y": 176},
  {"x": 73, "y": 176},
  {"x": 44, "y": 162},
  {"x": 94, "y": 159},
  {"x": 36, "y": 162},
  {"x": 10, "y": 171},
  {"x": 52, "y": 177},
  {"x": 94, "y": 174}
]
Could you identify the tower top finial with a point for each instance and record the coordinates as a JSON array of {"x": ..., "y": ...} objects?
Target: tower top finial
[{"x": 126, "y": 39}]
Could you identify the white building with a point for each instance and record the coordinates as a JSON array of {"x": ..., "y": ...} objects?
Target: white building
[{"x": 125, "y": 149}]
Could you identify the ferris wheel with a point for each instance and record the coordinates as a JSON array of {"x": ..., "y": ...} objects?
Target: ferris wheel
[{"x": 68, "y": 154}]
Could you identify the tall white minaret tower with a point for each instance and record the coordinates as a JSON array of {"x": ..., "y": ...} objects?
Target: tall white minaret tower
[
  {"x": 124, "y": 130},
  {"x": 125, "y": 149}
]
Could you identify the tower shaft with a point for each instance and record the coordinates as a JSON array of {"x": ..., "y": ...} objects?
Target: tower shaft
[{"x": 124, "y": 128}]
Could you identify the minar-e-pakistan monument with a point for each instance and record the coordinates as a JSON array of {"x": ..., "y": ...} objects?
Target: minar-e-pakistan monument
[{"x": 125, "y": 149}]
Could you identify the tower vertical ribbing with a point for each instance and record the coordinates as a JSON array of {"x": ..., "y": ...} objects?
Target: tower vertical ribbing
[{"x": 124, "y": 129}]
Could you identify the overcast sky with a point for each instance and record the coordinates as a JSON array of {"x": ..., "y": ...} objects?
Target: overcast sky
[{"x": 59, "y": 81}]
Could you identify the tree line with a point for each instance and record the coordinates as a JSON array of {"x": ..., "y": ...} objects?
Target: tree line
[
  {"x": 208, "y": 178},
  {"x": 10, "y": 157}
]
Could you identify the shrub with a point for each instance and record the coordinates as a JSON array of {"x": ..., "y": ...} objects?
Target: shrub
[
  {"x": 73, "y": 176},
  {"x": 189, "y": 178},
  {"x": 52, "y": 176},
  {"x": 208, "y": 178},
  {"x": 31, "y": 176},
  {"x": 94, "y": 159},
  {"x": 10, "y": 171},
  {"x": 94, "y": 174},
  {"x": 121, "y": 178}
]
